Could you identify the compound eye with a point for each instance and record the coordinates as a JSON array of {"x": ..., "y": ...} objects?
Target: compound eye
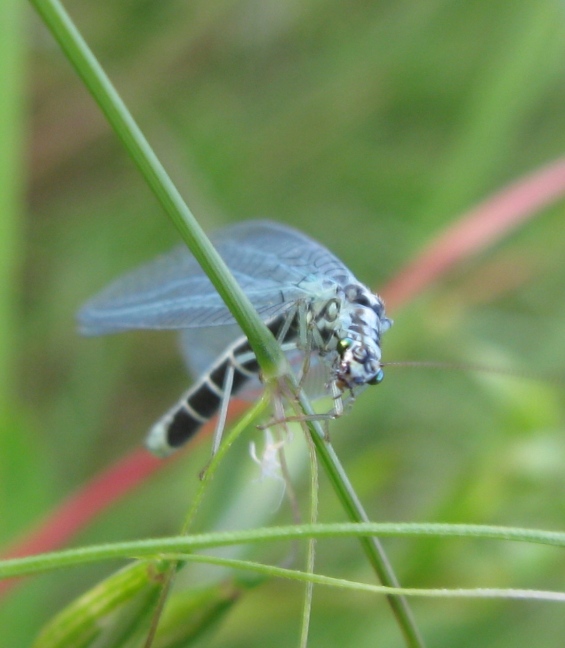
[
  {"x": 343, "y": 345},
  {"x": 378, "y": 378},
  {"x": 362, "y": 300}
]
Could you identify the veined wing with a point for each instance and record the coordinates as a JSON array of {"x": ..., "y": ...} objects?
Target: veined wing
[
  {"x": 274, "y": 264},
  {"x": 201, "y": 348}
]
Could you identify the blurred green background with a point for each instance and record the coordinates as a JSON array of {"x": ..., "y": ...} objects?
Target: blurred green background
[{"x": 370, "y": 126}]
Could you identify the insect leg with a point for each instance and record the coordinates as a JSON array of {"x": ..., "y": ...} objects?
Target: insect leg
[
  {"x": 288, "y": 320},
  {"x": 197, "y": 406},
  {"x": 227, "y": 391},
  {"x": 309, "y": 337},
  {"x": 337, "y": 396}
]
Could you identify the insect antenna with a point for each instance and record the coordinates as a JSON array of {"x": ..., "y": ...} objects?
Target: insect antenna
[{"x": 523, "y": 374}]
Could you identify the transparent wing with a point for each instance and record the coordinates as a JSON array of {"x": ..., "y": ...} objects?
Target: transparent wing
[
  {"x": 270, "y": 262},
  {"x": 201, "y": 348}
]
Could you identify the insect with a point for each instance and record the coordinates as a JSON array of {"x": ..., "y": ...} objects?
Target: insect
[{"x": 308, "y": 298}]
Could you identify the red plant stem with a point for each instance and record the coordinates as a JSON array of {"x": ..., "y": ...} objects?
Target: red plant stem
[
  {"x": 105, "y": 489},
  {"x": 476, "y": 230},
  {"x": 83, "y": 506}
]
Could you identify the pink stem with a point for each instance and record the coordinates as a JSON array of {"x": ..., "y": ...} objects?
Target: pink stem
[{"x": 480, "y": 227}]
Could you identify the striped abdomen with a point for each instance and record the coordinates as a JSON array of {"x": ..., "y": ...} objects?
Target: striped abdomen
[{"x": 204, "y": 399}]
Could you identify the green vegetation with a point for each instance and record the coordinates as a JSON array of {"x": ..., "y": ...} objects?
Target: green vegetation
[{"x": 371, "y": 126}]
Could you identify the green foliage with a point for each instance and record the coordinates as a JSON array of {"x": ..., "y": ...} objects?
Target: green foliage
[
  {"x": 112, "y": 614},
  {"x": 369, "y": 126}
]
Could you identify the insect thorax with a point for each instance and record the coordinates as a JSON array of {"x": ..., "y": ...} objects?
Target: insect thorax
[{"x": 345, "y": 326}]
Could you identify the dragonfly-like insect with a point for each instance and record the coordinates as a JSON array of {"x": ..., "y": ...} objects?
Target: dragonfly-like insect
[{"x": 308, "y": 298}]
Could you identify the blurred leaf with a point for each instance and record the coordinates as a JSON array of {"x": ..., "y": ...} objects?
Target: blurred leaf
[
  {"x": 112, "y": 614},
  {"x": 192, "y": 613},
  {"x": 11, "y": 189}
]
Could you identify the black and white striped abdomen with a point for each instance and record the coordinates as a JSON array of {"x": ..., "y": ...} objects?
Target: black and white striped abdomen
[
  {"x": 231, "y": 373},
  {"x": 204, "y": 399}
]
